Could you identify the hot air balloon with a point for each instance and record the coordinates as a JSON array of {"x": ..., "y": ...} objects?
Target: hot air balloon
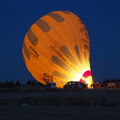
[{"x": 56, "y": 49}]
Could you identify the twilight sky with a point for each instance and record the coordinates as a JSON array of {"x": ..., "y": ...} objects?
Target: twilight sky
[{"x": 101, "y": 17}]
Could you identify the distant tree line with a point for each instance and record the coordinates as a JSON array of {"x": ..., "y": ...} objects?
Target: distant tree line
[
  {"x": 107, "y": 83},
  {"x": 34, "y": 83},
  {"x": 110, "y": 80},
  {"x": 10, "y": 84},
  {"x": 31, "y": 83}
]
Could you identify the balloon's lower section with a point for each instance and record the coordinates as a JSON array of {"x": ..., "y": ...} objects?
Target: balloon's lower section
[{"x": 87, "y": 78}]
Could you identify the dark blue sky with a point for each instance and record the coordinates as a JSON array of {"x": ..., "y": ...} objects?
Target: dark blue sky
[{"x": 102, "y": 18}]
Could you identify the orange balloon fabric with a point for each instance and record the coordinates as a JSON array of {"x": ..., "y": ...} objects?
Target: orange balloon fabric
[{"x": 56, "y": 49}]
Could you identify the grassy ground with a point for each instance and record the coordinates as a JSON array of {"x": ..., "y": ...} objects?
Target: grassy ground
[
  {"x": 32, "y": 112},
  {"x": 40, "y": 104}
]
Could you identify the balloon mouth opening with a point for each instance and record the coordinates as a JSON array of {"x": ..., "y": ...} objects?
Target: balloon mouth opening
[{"x": 87, "y": 78}]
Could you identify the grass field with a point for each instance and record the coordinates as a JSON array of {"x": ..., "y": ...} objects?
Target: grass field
[
  {"x": 37, "y": 112},
  {"x": 40, "y": 104}
]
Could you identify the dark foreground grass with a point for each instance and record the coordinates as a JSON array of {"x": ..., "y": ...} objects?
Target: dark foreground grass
[
  {"x": 59, "y": 104},
  {"x": 61, "y": 97},
  {"x": 38, "y": 112}
]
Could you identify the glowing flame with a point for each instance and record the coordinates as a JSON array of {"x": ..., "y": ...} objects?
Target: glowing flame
[{"x": 87, "y": 78}]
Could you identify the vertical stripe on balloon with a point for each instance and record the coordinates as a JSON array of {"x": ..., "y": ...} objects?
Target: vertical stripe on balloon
[
  {"x": 60, "y": 63},
  {"x": 43, "y": 25},
  {"x": 26, "y": 51},
  {"x": 56, "y": 17},
  {"x": 32, "y": 38}
]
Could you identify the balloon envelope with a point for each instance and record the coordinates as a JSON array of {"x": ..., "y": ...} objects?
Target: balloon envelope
[{"x": 56, "y": 49}]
